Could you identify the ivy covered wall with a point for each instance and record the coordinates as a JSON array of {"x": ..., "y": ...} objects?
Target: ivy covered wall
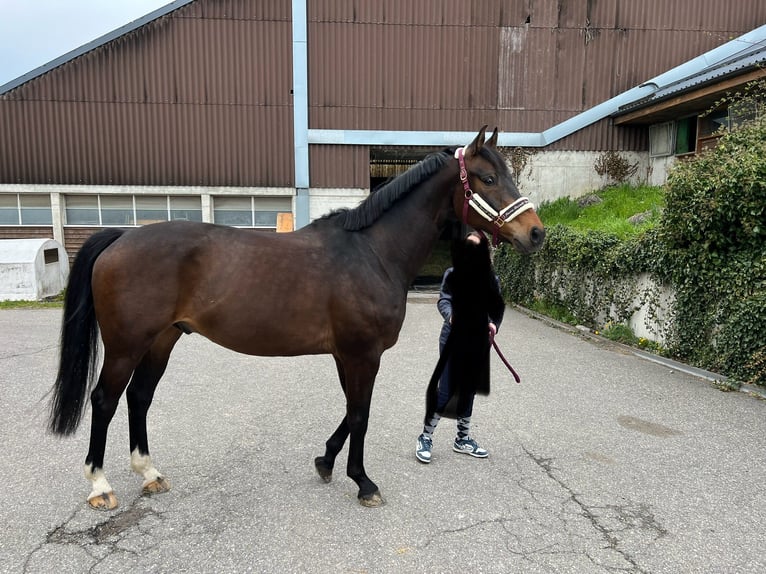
[{"x": 709, "y": 249}]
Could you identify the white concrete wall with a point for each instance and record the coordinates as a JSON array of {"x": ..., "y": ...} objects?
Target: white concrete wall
[
  {"x": 641, "y": 322},
  {"x": 323, "y": 201},
  {"x": 659, "y": 168},
  {"x": 550, "y": 175}
]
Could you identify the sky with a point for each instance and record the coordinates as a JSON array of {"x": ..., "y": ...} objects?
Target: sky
[{"x": 34, "y": 32}]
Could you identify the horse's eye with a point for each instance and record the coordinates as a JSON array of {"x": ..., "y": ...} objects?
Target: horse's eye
[{"x": 488, "y": 180}]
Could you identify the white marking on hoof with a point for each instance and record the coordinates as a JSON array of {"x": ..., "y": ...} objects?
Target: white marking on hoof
[
  {"x": 101, "y": 495},
  {"x": 142, "y": 464}
]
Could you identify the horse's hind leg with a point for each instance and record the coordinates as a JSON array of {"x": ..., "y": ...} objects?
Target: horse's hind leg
[
  {"x": 324, "y": 464},
  {"x": 112, "y": 381},
  {"x": 140, "y": 394}
]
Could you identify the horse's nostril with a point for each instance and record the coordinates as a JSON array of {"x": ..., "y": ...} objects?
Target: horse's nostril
[{"x": 537, "y": 235}]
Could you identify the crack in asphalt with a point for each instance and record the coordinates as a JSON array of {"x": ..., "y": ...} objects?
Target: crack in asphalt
[
  {"x": 29, "y": 353},
  {"x": 631, "y": 517},
  {"x": 105, "y": 535}
]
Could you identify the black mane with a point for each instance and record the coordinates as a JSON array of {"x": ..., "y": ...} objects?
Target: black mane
[{"x": 377, "y": 203}]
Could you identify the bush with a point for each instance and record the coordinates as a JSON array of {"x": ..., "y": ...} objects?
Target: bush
[
  {"x": 709, "y": 246},
  {"x": 592, "y": 274},
  {"x": 714, "y": 232}
]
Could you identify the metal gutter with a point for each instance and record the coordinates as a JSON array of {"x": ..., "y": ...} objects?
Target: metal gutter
[{"x": 738, "y": 66}]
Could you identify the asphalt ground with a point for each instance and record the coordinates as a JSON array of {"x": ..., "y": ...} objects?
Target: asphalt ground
[{"x": 600, "y": 462}]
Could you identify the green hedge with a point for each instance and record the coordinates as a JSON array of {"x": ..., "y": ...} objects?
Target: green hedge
[{"x": 709, "y": 246}]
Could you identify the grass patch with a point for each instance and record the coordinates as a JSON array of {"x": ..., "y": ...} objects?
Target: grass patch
[
  {"x": 618, "y": 204},
  {"x": 622, "y": 333},
  {"x": 554, "y": 311},
  {"x": 49, "y": 303}
]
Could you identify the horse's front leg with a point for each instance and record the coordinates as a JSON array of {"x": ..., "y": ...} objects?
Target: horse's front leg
[
  {"x": 360, "y": 379},
  {"x": 324, "y": 464}
]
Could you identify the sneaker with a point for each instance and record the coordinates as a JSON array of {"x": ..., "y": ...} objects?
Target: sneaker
[
  {"x": 469, "y": 446},
  {"x": 423, "y": 451}
]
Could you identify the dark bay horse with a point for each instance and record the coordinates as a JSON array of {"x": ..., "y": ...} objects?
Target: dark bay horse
[{"x": 337, "y": 286}]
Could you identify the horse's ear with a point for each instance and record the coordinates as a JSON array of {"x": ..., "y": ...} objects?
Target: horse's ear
[
  {"x": 492, "y": 141},
  {"x": 474, "y": 147}
]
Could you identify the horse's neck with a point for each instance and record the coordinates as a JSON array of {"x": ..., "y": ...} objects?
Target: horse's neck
[{"x": 405, "y": 236}]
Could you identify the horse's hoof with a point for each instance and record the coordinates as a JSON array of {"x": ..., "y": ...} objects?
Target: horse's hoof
[
  {"x": 103, "y": 501},
  {"x": 157, "y": 486},
  {"x": 323, "y": 471},
  {"x": 372, "y": 500}
]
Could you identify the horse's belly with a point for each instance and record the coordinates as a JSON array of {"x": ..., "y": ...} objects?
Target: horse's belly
[{"x": 268, "y": 340}]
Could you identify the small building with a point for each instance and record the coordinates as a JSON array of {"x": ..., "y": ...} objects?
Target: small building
[
  {"x": 32, "y": 269},
  {"x": 684, "y": 117}
]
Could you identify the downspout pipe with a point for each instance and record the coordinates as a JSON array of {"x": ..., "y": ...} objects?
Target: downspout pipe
[{"x": 300, "y": 113}]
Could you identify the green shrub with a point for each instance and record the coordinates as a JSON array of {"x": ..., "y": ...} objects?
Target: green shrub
[
  {"x": 591, "y": 274},
  {"x": 714, "y": 231},
  {"x": 709, "y": 245}
]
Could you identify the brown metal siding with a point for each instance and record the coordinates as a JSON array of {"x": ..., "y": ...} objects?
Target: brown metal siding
[
  {"x": 201, "y": 96},
  {"x": 339, "y": 166},
  {"x": 524, "y": 65},
  {"x": 145, "y": 144},
  {"x": 26, "y": 232},
  {"x": 74, "y": 237}
]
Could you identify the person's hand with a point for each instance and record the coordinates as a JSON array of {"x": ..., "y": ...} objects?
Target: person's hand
[{"x": 492, "y": 330}]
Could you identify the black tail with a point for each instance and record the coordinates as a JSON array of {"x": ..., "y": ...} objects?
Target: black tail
[{"x": 79, "y": 338}]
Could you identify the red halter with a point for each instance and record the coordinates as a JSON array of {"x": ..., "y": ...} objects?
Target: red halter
[{"x": 483, "y": 208}]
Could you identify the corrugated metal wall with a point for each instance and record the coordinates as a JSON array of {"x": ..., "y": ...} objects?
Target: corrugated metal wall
[
  {"x": 26, "y": 232},
  {"x": 202, "y": 96},
  {"x": 524, "y": 65}
]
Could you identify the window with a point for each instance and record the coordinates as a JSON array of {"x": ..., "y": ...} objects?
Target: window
[
  {"x": 661, "y": 139},
  {"x": 686, "y": 135},
  {"x": 25, "y": 209},
  {"x": 710, "y": 124},
  {"x": 117, "y": 210},
  {"x": 51, "y": 256},
  {"x": 233, "y": 211},
  {"x": 9, "y": 209},
  {"x": 130, "y": 210},
  {"x": 82, "y": 210},
  {"x": 151, "y": 209},
  {"x": 260, "y": 212},
  {"x": 744, "y": 111},
  {"x": 185, "y": 208}
]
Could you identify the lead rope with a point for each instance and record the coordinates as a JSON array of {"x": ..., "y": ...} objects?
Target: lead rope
[
  {"x": 468, "y": 193},
  {"x": 502, "y": 358}
]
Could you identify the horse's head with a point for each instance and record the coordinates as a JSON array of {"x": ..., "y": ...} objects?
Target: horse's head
[{"x": 486, "y": 197}]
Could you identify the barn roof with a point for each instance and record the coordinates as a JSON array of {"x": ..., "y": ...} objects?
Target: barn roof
[
  {"x": 85, "y": 48},
  {"x": 751, "y": 55}
]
